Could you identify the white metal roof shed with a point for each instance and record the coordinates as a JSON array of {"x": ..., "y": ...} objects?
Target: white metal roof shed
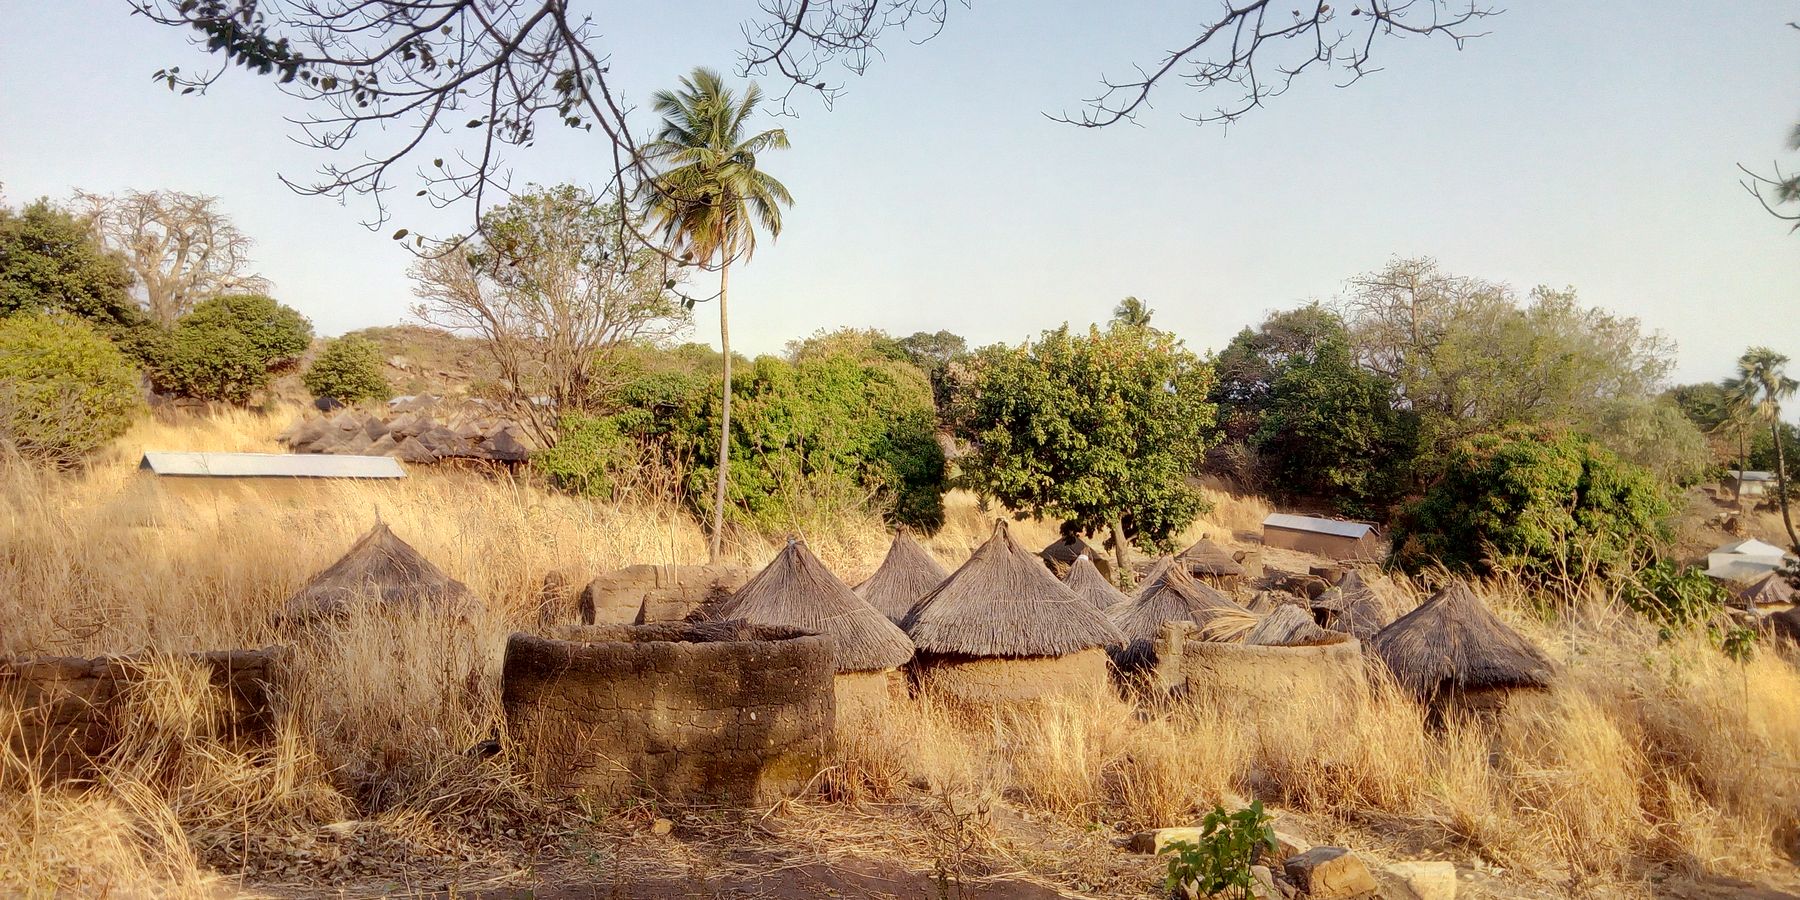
[
  {"x": 1335, "y": 527},
  {"x": 270, "y": 465}
]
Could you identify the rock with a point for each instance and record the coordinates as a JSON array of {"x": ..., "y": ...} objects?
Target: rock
[
  {"x": 1423, "y": 880},
  {"x": 400, "y": 362},
  {"x": 1264, "y": 887},
  {"x": 661, "y": 827},
  {"x": 1326, "y": 873},
  {"x": 1286, "y": 845},
  {"x": 1155, "y": 840}
]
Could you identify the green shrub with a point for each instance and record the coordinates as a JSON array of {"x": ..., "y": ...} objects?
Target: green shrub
[
  {"x": 64, "y": 389},
  {"x": 49, "y": 261},
  {"x": 227, "y": 348},
  {"x": 1675, "y": 596},
  {"x": 1219, "y": 864},
  {"x": 587, "y": 457},
  {"x": 347, "y": 370},
  {"x": 1551, "y": 504}
]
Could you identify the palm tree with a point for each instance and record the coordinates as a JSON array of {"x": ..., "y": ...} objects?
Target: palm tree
[
  {"x": 708, "y": 199},
  {"x": 1760, "y": 386},
  {"x": 1132, "y": 313}
]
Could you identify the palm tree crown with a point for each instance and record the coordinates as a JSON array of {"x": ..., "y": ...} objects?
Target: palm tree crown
[
  {"x": 710, "y": 195},
  {"x": 1762, "y": 383}
]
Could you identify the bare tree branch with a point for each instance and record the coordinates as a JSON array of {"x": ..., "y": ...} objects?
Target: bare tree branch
[{"x": 180, "y": 248}]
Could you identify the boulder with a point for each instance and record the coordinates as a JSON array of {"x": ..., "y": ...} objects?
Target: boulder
[
  {"x": 1330, "y": 873},
  {"x": 1286, "y": 846},
  {"x": 1421, "y": 881},
  {"x": 1156, "y": 839}
]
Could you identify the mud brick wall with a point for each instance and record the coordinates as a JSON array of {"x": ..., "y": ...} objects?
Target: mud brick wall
[
  {"x": 1255, "y": 680},
  {"x": 646, "y": 594},
  {"x": 714, "y": 712},
  {"x": 1002, "y": 680},
  {"x": 71, "y": 707}
]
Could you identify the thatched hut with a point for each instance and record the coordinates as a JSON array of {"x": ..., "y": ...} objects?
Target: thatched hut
[
  {"x": 1085, "y": 580},
  {"x": 1169, "y": 594},
  {"x": 1062, "y": 554},
  {"x": 1454, "y": 652},
  {"x": 906, "y": 575},
  {"x": 1210, "y": 563},
  {"x": 1291, "y": 626},
  {"x": 1352, "y": 608},
  {"x": 795, "y": 590},
  {"x": 379, "y": 568},
  {"x": 1003, "y": 628}
]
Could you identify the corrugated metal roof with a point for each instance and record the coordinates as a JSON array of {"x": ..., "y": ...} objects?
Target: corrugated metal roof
[
  {"x": 1337, "y": 527},
  {"x": 1751, "y": 547},
  {"x": 1751, "y": 475},
  {"x": 271, "y": 465}
]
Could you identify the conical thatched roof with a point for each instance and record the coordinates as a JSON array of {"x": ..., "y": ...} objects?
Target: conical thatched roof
[
  {"x": 1454, "y": 643},
  {"x": 1063, "y": 553},
  {"x": 1003, "y": 602},
  {"x": 1770, "y": 590},
  {"x": 379, "y": 567},
  {"x": 1352, "y": 607},
  {"x": 1291, "y": 626},
  {"x": 905, "y": 577},
  {"x": 1208, "y": 558},
  {"x": 795, "y": 590},
  {"x": 1169, "y": 594},
  {"x": 1088, "y": 584}
]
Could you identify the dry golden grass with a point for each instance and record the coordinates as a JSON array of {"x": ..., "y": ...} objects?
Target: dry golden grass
[{"x": 1647, "y": 755}]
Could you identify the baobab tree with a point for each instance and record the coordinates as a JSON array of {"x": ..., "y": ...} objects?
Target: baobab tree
[{"x": 180, "y": 248}]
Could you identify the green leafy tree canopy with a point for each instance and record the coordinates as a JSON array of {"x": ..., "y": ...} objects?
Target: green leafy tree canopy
[
  {"x": 49, "y": 261},
  {"x": 348, "y": 370}
]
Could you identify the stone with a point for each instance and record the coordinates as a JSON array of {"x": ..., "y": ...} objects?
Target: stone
[
  {"x": 1286, "y": 845},
  {"x": 1328, "y": 873},
  {"x": 1263, "y": 887},
  {"x": 1423, "y": 880},
  {"x": 661, "y": 827},
  {"x": 1154, "y": 840}
]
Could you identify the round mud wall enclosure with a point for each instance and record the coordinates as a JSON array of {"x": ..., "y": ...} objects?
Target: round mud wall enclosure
[
  {"x": 70, "y": 709},
  {"x": 1259, "y": 680},
  {"x": 720, "y": 712},
  {"x": 1009, "y": 680}
]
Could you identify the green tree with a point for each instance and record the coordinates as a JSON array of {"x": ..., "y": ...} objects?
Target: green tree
[
  {"x": 227, "y": 348},
  {"x": 1330, "y": 430},
  {"x": 1132, "y": 313},
  {"x": 1101, "y": 429},
  {"x": 65, "y": 390},
  {"x": 348, "y": 370},
  {"x": 935, "y": 353},
  {"x": 1548, "y": 502},
  {"x": 707, "y": 200},
  {"x": 1761, "y": 384},
  {"x": 49, "y": 261},
  {"x": 1247, "y": 370}
]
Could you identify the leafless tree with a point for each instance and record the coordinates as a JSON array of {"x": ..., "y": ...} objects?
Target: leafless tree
[
  {"x": 180, "y": 248},
  {"x": 554, "y": 296},
  {"x": 429, "y": 93}
]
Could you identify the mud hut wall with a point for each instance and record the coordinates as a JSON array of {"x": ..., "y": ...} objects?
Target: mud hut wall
[
  {"x": 69, "y": 706},
  {"x": 1257, "y": 681},
  {"x": 1330, "y": 546},
  {"x": 647, "y": 594},
  {"x": 1164, "y": 672},
  {"x": 1006, "y": 680},
  {"x": 864, "y": 694},
  {"x": 608, "y": 712}
]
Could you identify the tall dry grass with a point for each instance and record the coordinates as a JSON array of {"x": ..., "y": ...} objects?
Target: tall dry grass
[{"x": 1647, "y": 756}]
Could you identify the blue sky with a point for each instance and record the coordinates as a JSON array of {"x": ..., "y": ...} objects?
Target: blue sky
[{"x": 1591, "y": 145}]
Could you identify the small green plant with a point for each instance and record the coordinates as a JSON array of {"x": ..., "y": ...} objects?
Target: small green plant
[
  {"x": 1738, "y": 643},
  {"x": 1674, "y": 597},
  {"x": 1219, "y": 865}
]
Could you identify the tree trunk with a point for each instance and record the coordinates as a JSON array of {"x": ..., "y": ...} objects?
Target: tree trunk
[
  {"x": 1737, "y": 488},
  {"x": 718, "y": 523},
  {"x": 1118, "y": 536},
  {"x": 1781, "y": 494}
]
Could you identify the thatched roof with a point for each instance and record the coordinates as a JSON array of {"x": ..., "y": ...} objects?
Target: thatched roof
[
  {"x": 1169, "y": 594},
  {"x": 1061, "y": 554},
  {"x": 1087, "y": 583},
  {"x": 1770, "y": 590},
  {"x": 795, "y": 590},
  {"x": 1352, "y": 607},
  {"x": 1266, "y": 602},
  {"x": 1454, "y": 643},
  {"x": 1291, "y": 626},
  {"x": 1003, "y": 602},
  {"x": 1209, "y": 559},
  {"x": 379, "y": 567},
  {"x": 905, "y": 577}
]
